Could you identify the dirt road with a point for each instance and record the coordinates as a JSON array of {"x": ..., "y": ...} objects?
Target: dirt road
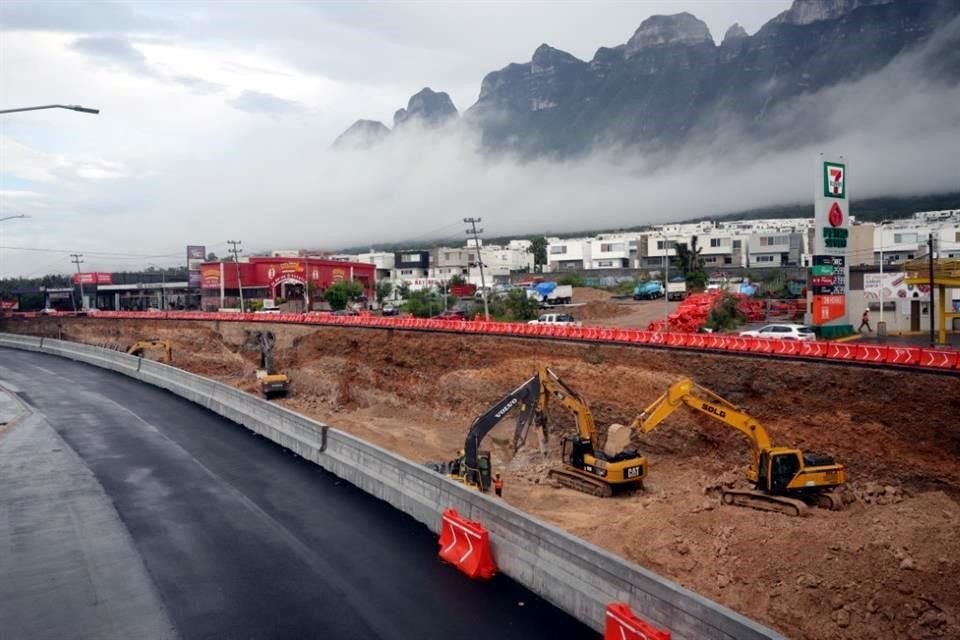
[{"x": 886, "y": 567}]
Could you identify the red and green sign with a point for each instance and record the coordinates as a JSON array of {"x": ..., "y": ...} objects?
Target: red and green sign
[{"x": 834, "y": 181}]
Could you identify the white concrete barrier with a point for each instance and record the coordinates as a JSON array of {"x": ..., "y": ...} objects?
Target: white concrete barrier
[{"x": 572, "y": 574}]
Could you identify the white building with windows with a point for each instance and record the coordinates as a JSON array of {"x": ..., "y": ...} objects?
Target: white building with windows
[{"x": 901, "y": 240}]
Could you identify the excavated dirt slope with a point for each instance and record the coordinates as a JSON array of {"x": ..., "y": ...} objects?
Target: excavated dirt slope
[{"x": 888, "y": 566}]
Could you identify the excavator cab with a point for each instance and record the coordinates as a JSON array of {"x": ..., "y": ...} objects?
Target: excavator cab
[{"x": 777, "y": 471}]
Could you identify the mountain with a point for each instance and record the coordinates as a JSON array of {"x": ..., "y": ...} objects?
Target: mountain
[
  {"x": 671, "y": 82},
  {"x": 362, "y": 134},
  {"x": 428, "y": 108}
]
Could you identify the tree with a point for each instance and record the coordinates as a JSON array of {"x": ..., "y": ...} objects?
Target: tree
[
  {"x": 689, "y": 261},
  {"x": 383, "y": 290},
  {"x": 538, "y": 247},
  {"x": 456, "y": 280},
  {"x": 520, "y": 307},
  {"x": 211, "y": 257},
  {"x": 423, "y": 303},
  {"x": 403, "y": 290},
  {"x": 341, "y": 293}
]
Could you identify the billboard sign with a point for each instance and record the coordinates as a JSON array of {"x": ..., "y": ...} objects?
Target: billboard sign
[
  {"x": 210, "y": 276},
  {"x": 195, "y": 256},
  {"x": 829, "y": 272},
  {"x": 92, "y": 277}
]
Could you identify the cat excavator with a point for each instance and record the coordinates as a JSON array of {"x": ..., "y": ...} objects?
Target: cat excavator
[
  {"x": 585, "y": 467},
  {"x": 785, "y": 480}
]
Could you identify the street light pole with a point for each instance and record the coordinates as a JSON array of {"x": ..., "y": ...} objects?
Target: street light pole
[{"x": 70, "y": 107}]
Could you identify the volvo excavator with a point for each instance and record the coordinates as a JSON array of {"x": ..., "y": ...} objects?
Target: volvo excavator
[
  {"x": 140, "y": 348},
  {"x": 272, "y": 383},
  {"x": 585, "y": 467},
  {"x": 785, "y": 480}
]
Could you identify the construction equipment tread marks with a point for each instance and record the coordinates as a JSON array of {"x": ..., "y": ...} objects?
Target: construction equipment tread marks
[{"x": 581, "y": 482}]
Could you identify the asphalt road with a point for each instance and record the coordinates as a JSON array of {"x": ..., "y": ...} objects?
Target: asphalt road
[{"x": 170, "y": 521}]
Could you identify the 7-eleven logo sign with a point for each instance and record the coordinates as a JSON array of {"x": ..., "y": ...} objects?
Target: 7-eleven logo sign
[{"x": 834, "y": 180}]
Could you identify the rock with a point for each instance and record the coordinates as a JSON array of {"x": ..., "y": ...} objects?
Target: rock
[
  {"x": 932, "y": 618},
  {"x": 907, "y": 564},
  {"x": 837, "y": 602},
  {"x": 809, "y": 581},
  {"x": 618, "y": 437},
  {"x": 842, "y": 618},
  {"x": 723, "y": 580}
]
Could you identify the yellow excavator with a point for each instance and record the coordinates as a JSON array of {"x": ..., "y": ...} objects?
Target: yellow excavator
[
  {"x": 785, "y": 480},
  {"x": 585, "y": 467},
  {"x": 140, "y": 348},
  {"x": 272, "y": 383}
]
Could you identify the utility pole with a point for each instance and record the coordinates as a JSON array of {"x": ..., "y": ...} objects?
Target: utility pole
[
  {"x": 234, "y": 247},
  {"x": 475, "y": 233},
  {"x": 933, "y": 339},
  {"x": 77, "y": 260},
  {"x": 666, "y": 283}
]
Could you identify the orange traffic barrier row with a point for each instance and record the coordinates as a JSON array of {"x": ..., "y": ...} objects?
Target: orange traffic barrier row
[
  {"x": 948, "y": 359},
  {"x": 466, "y": 545},
  {"x": 623, "y": 624}
]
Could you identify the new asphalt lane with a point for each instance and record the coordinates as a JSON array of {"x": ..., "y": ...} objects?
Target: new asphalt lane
[{"x": 126, "y": 511}]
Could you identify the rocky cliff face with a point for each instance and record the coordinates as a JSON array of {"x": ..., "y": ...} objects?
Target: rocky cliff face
[
  {"x": 670, "y": 81},
  {"x": 426, "y": 107}
]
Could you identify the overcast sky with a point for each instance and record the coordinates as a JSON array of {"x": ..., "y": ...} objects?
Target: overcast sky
[{"x": 216, "y": 117}]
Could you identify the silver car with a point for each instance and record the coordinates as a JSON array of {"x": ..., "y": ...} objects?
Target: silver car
[{"x": 781, "y": 332}]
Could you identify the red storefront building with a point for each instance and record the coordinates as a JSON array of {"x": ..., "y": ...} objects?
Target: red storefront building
[{"x": 290, "y": 279}]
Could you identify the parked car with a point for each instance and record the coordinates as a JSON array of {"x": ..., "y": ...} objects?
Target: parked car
[
  {"x": 390, "y": 310},
  {"x": 556, "y": 318},
  {"x": 781, "y": 332},
  {"x": 452, "y": 314}
]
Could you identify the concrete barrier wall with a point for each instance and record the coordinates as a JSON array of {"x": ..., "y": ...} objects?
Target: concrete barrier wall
[{"x": 574, "y": 575}]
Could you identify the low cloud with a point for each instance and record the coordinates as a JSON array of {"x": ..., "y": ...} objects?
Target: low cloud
[
  {"x": 120, "y": 53},
  {"x": 264, "y": 103}
]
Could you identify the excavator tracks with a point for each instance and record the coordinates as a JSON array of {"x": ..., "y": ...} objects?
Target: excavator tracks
[
  {"x": 581, "y": 482},
  {"x": 764, "y": 502}
]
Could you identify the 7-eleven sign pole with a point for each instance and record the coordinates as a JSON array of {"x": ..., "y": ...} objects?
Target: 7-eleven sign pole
[{"x": 830, "y": 271}]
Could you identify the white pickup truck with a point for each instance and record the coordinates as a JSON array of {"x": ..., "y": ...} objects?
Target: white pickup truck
[{"x": 556, "y": 318}]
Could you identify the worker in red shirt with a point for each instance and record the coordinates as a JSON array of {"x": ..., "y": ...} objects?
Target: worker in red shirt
[{"x": 498, "y": 485}]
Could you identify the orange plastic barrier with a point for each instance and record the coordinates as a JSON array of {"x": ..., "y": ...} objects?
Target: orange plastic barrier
[
  {"x": 785, "y": 347},
  {"x": 904, "y": 355},
  {"x": 870, "y": 353},
  {"x": 466, "y": 545},
  {"x": 841, "y": 351},
  {"x": 622, "y": 624},
  {"x": 813, "y": 349},
  {"x": 938, "y": 358}
]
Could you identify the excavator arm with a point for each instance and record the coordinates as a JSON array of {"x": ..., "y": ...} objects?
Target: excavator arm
[
  {"x": 555, "y": 388},
  {"x": 526, "y": 396}
]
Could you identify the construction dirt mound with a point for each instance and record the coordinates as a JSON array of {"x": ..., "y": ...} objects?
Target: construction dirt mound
[{"x": 884, "y": 567}]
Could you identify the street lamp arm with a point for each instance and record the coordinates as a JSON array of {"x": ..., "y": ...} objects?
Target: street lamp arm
[
  {"x": 14, "y": 217},
  {"x": 71, "y": 107}
]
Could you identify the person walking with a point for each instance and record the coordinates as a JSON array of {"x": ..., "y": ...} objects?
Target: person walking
[
  {"x": 865, "y": 321},
  {"x": 498, "y": 485}
]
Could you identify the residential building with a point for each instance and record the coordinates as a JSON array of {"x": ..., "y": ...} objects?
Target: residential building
[
  {"x": 568, "y": 254},
  {"x": 902, "y": 240}
]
